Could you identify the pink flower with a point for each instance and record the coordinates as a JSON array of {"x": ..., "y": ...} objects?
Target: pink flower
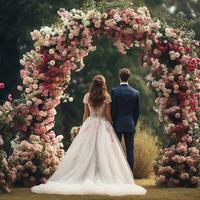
[
  {"x": 190, "y": 161},
  {"x": 43, "y": 180},
  {"x": 193, "y": 169},
  {"x": 184, "y": 176},
  {"x": 194, "y": 151},
  {"x": 181, "y": 148},
  {"x": 20, "y": 88},
  {"x": 2, "y": 86},
  {"x": 161, "y": 179},
  {"x": 10, "y": 97}
]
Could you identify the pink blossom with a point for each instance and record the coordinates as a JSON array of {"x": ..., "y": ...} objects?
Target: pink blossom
[{"x": 2, "y": 86}]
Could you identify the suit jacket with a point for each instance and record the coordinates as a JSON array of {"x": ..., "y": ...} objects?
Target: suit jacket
[{"x": 125, "y": 108}]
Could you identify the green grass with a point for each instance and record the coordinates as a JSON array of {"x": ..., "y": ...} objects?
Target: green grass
[{"x": 153, "y": 193}]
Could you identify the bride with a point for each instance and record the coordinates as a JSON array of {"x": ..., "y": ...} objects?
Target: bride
[{"x": 95, "y": 162}]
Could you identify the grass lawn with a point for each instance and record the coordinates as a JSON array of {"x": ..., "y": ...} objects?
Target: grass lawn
[{"x": 153, "y": 193}]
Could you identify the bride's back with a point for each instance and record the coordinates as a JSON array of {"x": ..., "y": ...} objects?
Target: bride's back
[{"x": 96, "y": 111}]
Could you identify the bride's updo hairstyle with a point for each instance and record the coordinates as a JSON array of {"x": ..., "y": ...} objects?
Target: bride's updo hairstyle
[{"x": 98, "y": 91}]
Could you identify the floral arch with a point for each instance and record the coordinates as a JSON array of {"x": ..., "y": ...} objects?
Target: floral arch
[{"x": 61, "y": 48}]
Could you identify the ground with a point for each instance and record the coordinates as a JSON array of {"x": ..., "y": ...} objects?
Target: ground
[{"x": 153, "y": 193}]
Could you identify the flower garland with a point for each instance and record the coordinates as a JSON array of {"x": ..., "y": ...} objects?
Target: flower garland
[
  {"x": 35, "y": 159},
  {"x": 175, "y": 77}
]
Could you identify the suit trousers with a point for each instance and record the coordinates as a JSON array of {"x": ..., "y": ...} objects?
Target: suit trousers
[{"x": 129, "y": 143}]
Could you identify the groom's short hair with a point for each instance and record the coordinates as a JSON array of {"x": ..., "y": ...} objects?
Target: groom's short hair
[{"x": 124, "y": 74}]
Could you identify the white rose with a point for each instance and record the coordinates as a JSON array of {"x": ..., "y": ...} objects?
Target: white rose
[
  {"x": 177, "y": 115},
  {"x": 46, "y": 43},
  {"x": 187, "y": 77},
  {"x": 117, "y": 17},
  {"x": 22, "y": 62},
  {"x": 27, "y": 90},
  {"x": 60, "y": 32},
  {"x": 177, "y": 54},
  {"x": 86, "y": 23},
  {"x": 175, "y": 91},
  {"x": 155, "y": 51},
  {"x": 39, "y": 101},
  {"x": 146, "y": 28},
  {"x": 172, "y": 53},
  {"x": 37, "y": 48},
  {"x": 105, "y": 15},
  {"x": 166, "y": 94},
  {"x": 51, "y": 51},
  {"x": 166, "y": 118},
  {"x": 176, "y": 87},
  {"x": 34, "y": 99},
  {"x": 35, "y": 86},
  {"x": 178, "y": 67},
  {"x": 70, "y": 36},
  {"x": 163, "y": 66},
  {"x": 52, "y": 62},
  {"x": 29, "y": 117},
  {"x": 169, "y": 91},
  {"x": 30, "y": 80},
  {"x": 29, "y": 103},
  {"x": 173, "y": 57},
  {"x": 97, "y": 24},
  {"x": 145, "y": 64},
  {"x": 71, "y": 99},
  {"x": 64, "y": 53},
  {"x": 180, "y": 77},
  {"x": 47, "y": 36},
  {"x": 28, "y": 123},
  {"x": 167, "y": 30},
  {"x": 171, "y": 78}
]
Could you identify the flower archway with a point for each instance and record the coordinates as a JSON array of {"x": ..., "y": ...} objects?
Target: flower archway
[{"x": 61, "y": 48}]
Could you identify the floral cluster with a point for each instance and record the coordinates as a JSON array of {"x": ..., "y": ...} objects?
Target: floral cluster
[
  {"x": 175, "y": 76},
  {"x": 44, "y": 85},
  {"x": 74, "y": 132},
  {"x": 7, "y": 174},
  {"x": 178, "y": 164},
  {"x": 35, "y": 160},
  {"x": 6, "y": 111}
]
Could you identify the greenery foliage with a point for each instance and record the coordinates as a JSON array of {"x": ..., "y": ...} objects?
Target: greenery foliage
[
  {"x": 105, "y": 5},
  {"x": 146, "y": 149}
]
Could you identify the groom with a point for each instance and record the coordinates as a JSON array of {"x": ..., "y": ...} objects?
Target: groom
[{"x": 125, "y": 112}]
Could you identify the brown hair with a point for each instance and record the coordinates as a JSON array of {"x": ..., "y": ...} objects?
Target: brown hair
[
  {"x": 98, "y": 91},
  {"x": 124, "y": 74}
]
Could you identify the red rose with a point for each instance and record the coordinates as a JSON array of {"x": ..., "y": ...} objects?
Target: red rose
[
  {"x": 180, "y": 128},
  {"x": 2, "y": 86}
]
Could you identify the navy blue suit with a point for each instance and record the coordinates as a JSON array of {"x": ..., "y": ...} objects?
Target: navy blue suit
[{"x": 125, "y": 110}]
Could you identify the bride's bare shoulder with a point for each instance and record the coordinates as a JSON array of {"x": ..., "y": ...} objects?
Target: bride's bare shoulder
[
  {"x": 86, "y": 97},
  {"x": 108, "y": 98},
  {"x": 87, "y": 94}
]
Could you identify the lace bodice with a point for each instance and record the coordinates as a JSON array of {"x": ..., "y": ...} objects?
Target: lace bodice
[{"x": 96, "y": 112}]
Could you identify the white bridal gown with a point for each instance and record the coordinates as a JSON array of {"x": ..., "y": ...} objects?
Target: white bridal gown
[{"x": 94, "y": 164}]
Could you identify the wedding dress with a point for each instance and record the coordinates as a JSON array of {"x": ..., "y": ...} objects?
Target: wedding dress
[{"x": 94, "y": 164}]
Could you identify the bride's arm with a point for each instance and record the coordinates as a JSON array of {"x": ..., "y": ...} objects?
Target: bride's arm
[
  {"x": 108, "y": 113},
  {"x": 86, "y": 112}
]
